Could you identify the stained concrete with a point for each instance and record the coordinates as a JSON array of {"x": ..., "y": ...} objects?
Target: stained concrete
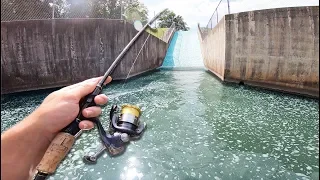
[
  {"x": 213, "y": 49},
  {"x": 274, "y": 48},
  {"x": 38, "y": 54}
]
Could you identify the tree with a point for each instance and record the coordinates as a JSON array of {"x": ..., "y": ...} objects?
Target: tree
[
  {"x": 131, "y": 10},
  {"x": 136, "y": 11},
  {"x": 170, "y": 17},
  {"x": 109, "y": 9}
]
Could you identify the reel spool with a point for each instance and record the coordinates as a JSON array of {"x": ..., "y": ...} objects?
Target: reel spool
[
  {"x": 122, "y": 129},
  {"x": 128, "y": 121}
]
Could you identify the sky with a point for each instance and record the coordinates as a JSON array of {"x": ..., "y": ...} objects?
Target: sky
[{"x": 200, "y": 11}]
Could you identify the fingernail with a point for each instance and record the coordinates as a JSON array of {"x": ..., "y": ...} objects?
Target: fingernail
[
  {"x": 88, "y": 113},
  {"x": 85, "y": 126},
  {"x": 105, "y": 97}
]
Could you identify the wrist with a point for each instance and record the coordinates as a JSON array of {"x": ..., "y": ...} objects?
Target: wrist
[
  {"x": 36, "y": 124},
  {"x": 30, "y": 145}
]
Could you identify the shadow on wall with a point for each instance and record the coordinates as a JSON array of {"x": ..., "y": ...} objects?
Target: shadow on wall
[
  {"x": 184, "y": 52},
  {"x": 170, "y": 55}
]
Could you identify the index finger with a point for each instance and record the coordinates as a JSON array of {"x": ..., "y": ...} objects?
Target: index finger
[
  {"x": 86, "y": 87},
  {"x": 95, "y": 80}
]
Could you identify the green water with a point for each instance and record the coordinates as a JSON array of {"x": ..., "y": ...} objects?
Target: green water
[{"x": 198, "y": 128}]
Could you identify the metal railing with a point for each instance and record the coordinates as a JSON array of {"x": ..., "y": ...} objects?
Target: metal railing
[
  {"x": 219, "y": 11},
  {"x": 167, "y": 35}
]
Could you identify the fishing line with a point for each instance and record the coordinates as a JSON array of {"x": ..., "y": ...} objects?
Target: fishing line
[
  {"x": 124, "y": 121},
  {"x": 135, "y": 61}
]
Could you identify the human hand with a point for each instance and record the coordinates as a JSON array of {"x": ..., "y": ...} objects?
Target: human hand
[
  {"x": 61, "y": 107},
  {"x": 24, "y": 144}
]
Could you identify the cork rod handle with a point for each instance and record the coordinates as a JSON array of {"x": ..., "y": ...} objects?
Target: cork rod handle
[{"x": 57, "y": 151}]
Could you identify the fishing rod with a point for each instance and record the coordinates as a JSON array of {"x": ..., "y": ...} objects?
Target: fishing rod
[{"x": 128, "y": 125}]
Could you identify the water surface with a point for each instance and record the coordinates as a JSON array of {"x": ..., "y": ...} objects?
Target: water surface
[{"x": 198, "y": 128}]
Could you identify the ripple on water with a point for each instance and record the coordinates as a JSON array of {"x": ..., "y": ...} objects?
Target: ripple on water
[{"x": 197, "y": 128}]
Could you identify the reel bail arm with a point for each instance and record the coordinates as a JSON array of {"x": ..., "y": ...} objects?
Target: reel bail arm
[
  {"x": 122, "y": 129},
  {"x": 58, "y": 149}
]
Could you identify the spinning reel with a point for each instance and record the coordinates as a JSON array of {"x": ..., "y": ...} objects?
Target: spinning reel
[{"x": 122, "y": 129}]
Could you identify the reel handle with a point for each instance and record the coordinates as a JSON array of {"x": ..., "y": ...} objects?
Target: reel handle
[{"x": 93, "y": 158}]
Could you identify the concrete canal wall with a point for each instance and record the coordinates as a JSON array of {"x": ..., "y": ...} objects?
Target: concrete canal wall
[
  {"x": 38, "y": 54},
  {"x": 274, "y": 48},
  {"x": 213, "y": 48}
]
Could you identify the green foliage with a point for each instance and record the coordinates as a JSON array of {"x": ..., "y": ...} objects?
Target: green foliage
[
  {"x": 136, "y": 11},
  {"x": 109, "y": 9},
  {"x": 43, "y": 9},
  {"x": 170, "y": 17}
]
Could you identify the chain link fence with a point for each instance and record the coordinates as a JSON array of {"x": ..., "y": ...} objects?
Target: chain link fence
[
  {"x": 12, "y": 10},
  {"x": 222, "y": 9}
]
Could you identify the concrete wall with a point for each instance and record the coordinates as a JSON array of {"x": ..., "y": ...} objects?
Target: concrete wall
[
  {"x": 275, "y": 48},
  {"x": 39, "y": 54},
  {"x": 213, "y": 49}
]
